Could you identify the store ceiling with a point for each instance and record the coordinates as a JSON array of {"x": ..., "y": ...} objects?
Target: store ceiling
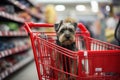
[
  {"x": 67, "y": 1},
  {"x": 70, "y": 6}
]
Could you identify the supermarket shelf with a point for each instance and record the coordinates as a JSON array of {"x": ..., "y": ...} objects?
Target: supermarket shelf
[
  {"x": 13, "y": 50},
  {"x": 16, "y": 67},
  {"x": 24, "y": 8},
  {"x": 11, "y": 17},
  {"x": 12, "y": 33}
]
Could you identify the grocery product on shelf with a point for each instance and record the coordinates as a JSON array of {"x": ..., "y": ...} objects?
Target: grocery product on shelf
[
  {"x": 14, "y": 43},
  {"x": 4, "y": 27}
]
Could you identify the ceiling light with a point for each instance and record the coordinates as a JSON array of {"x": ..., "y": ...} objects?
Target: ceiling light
[
  {"x": 80, "y": 8},
  {"x": 107, "y": 8},
  {"x": 59, "y": 7},
  {"x": 94, "y": 5}
]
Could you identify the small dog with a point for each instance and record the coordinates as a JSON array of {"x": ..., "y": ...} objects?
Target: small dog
[
  {"x": 66, "y": 35},
  {"x": 65, "y": 31}
]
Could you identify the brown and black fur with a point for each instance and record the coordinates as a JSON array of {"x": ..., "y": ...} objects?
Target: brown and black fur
[{"x": 65, "y": 31}]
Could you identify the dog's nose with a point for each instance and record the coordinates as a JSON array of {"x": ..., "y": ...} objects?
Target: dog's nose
[{"x": 67, "y": 36}]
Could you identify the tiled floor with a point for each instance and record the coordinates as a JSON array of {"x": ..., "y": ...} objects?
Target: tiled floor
[{"x": 27, "y": 73}]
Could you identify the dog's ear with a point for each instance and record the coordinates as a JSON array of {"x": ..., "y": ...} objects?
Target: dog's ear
[
  {"x": 57, "y": 26},
  {"x": 61, "y": 22},
  {"x": 75, "y": 25}
]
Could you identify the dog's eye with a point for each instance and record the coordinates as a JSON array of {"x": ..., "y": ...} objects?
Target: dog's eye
[
  {"x": 62, "y": 31},
  {"x": 70, "y": 30}
]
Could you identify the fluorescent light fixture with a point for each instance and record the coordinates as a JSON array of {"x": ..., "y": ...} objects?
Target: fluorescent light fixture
[
  {"x": 107, "y": 8},
  {"x": 59, "y": 7},
  {"x": 80, "y": 8},
  {"x": 94, "y": 5}
]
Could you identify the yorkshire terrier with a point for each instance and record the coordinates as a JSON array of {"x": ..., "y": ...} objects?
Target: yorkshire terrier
[{"x": 65, "y": 31}]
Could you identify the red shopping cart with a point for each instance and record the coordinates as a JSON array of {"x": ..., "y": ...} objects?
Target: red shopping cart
[{"x": 94, "y": 60}]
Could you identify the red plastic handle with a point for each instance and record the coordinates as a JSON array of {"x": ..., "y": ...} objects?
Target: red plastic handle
[
  {"x": 84, "y": 29},
  {"x": 30, "y": 25}
]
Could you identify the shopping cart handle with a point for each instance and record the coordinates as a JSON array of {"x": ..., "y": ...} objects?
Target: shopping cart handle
[
  {"x": 83, "y": 29},
  {"x": 29, "y": 25}
]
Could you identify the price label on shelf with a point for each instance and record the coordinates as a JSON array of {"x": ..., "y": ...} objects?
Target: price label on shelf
[
  {"x": 2, "y": 53},
  {"x": 16, "y": 49},
  {"x": 6, "y": 73},
  {"x": 6, "y": 33},
  {"x": 10, "y": 33},
  {"x": 20, "y": 48},
  {"x": 0, "y": 33},
  {"x": 16, "y": 33},
  {"x": 6, "y": 53},
  {"x": 25, "y": 47},
  {"x": 0, "y": 78},
  {"x": 16, "y": 67},
  {"x": 11, "y": 69},
  {"x": 9, "y": 51},
  {"x": 19, "y": 33},
  {"x": 2, "y": 75}
]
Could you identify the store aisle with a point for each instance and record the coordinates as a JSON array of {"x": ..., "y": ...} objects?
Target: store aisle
[{"x": 27, "y": 73}]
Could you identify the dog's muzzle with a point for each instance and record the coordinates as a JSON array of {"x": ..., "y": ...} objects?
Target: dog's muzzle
[
  {"x": 67, "y": 39},
  {"x": 67, "y": 36}
]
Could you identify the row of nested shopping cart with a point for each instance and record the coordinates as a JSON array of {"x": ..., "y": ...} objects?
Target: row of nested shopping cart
[{"x": 94, "y": 60}]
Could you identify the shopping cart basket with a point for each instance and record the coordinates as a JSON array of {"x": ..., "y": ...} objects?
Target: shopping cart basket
[{"x": 94, "y": 60}]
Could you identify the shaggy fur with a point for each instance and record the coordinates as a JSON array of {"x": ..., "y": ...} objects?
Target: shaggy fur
[{"x": 65, "y": 31}]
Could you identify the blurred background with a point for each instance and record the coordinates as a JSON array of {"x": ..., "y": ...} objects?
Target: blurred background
[{"x": 16, "y": 59}]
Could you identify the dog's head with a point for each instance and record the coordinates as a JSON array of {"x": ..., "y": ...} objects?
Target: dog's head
[{"x": 66, "y": 32}]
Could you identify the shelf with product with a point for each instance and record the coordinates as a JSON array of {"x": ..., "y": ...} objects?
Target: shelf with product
[
  {"x": 11, "y": 29},
  {"x": 8, "y": 16},
  {"x": 14, "y": 42},
  {"x": 22, "y": 7},
  {"x": 13, "y": 34},
  {"x": 17, "y": 48},
  {"x": 11, "y": 64},
  {"x": 14, "y": 50}
]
